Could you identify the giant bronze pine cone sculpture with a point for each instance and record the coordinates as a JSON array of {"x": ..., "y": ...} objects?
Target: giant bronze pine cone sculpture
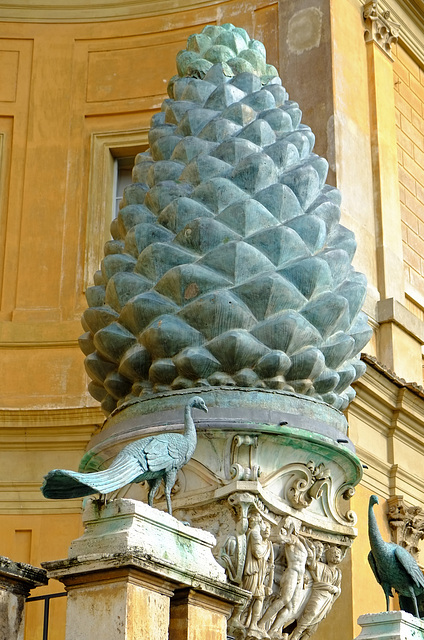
[{"x": 228, "y": 265}]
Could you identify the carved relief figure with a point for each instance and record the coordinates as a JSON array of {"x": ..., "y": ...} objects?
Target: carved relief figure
[
  {"x": 325, "y": 589},
  {"x": 258, "y": 575},
  {"x": 285, "y": 606}
]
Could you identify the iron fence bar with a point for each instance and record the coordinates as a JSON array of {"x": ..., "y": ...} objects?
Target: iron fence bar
[
  {"x": 48, "y": 595},
  {"x": 46, "y": 612},
  {"x": 46, "y": 619}
]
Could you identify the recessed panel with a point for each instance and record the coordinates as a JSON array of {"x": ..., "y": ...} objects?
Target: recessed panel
[
  {"x": 123, "y": 74},
  {"x": 9, "y": 62}
]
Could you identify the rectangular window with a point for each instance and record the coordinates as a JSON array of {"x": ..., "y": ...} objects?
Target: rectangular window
[
  {"x": 122, "y": 178},
  {"x": 111, "y": 160}
]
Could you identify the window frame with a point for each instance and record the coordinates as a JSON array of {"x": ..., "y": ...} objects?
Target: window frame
[{"x": 105, "y": 148}]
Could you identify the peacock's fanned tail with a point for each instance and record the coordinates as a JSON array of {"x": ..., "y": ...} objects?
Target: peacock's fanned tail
[{"x": 63, "y": 484}]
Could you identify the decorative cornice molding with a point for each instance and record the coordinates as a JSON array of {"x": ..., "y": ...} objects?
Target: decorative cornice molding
[
  {"x": 63, "y": 11},
  {"x": 409, "y": 14},
  {"x": 380, "y": 27},
  {"x": 48, "y": 429},
  {"x": 25, "y": 498},
  {"x": 45, "y": 418},
  {"x": 391, "y": 376},
  {"x": 391, "y": 409}
]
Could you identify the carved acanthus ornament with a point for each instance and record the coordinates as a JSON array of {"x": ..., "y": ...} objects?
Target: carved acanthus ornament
[
  {"x": 406, "y": 524},
  {"x": 380, "y": 28}
]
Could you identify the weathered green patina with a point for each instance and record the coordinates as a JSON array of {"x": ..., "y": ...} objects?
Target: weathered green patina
[
  {"x": 228, "y": 265},
  {"x": 148, "y": 460}
]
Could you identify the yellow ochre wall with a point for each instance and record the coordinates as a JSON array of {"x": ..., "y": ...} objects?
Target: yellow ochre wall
[
  {"x": 78, "y": 86},
  {"x": 409, "y": 100}
]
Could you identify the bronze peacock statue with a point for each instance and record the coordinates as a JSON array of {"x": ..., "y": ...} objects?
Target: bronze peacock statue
[
  {"x": 149, "y": 459},
  {"x": 394, "y": 567}
]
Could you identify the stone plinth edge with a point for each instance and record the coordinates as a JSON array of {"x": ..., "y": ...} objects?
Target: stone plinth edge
[
  {"x": 162, "y": 576},
  {"x": 126, "y": 525},
  {"x": 19, "y": 577},
  {"x": 390, "y": 625},
  {"x": 130, "y": 534}
]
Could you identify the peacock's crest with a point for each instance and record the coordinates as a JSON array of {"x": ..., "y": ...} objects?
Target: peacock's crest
[{"x": 228, "y": 265}]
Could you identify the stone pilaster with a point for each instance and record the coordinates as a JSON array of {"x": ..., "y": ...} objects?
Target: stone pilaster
[
  {"x": 16, "y": 581},
  {"x": 390, "y": 625},
  {"x": 139, "y": 573}
]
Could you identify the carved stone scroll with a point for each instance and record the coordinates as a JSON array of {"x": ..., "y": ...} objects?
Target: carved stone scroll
[
  {"x": 380, "y": 28},
  {"x": 308, "y": 485},
  {"x": 406, "y": 524},
  {"x": 244, "y": 468}
]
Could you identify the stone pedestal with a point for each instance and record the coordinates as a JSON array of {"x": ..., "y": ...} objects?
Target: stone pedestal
[
  {"x": 390, "y": 625},
  {"x": 140, "y": 574},
  {"x": 197, "y": 616},
  {"x": 265, "y": 461},
  {"x": 16, "y": 581}
]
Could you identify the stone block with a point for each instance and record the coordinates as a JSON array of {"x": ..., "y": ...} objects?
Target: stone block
[
  {"x": 16, "y": 581},
  {"x": 390, "y": 625},
  {"x": 123, "y": 526}
]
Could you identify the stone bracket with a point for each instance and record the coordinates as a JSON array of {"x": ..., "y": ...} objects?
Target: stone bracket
[
  {"x": 380, "y": 28},
  {"x": 406, "y": 524},
  {"x": 250, "y": 470}
]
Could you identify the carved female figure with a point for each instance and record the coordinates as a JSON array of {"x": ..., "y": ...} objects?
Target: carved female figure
[{"x": 258, "y": 574}]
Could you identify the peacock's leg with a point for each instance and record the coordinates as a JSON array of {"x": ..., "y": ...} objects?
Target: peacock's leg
[
  {"x": 170, "y": 479},
  {"x": 414, "y": 600},
  {"x": 387, "y": 594},
  {"x": 154, "y": 486}
]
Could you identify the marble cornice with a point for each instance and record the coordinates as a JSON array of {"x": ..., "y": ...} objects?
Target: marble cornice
[{"x": 396, "y": 404}]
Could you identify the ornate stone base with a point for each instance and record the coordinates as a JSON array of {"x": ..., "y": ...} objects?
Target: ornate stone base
[
  {"x": 271, "y": 479},
  {"x": 139, "y": 574},
  {"x": 390, "y": 625}
]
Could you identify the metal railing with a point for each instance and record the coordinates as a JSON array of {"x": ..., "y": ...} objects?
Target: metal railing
[{"x": 46, "y": 612}]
